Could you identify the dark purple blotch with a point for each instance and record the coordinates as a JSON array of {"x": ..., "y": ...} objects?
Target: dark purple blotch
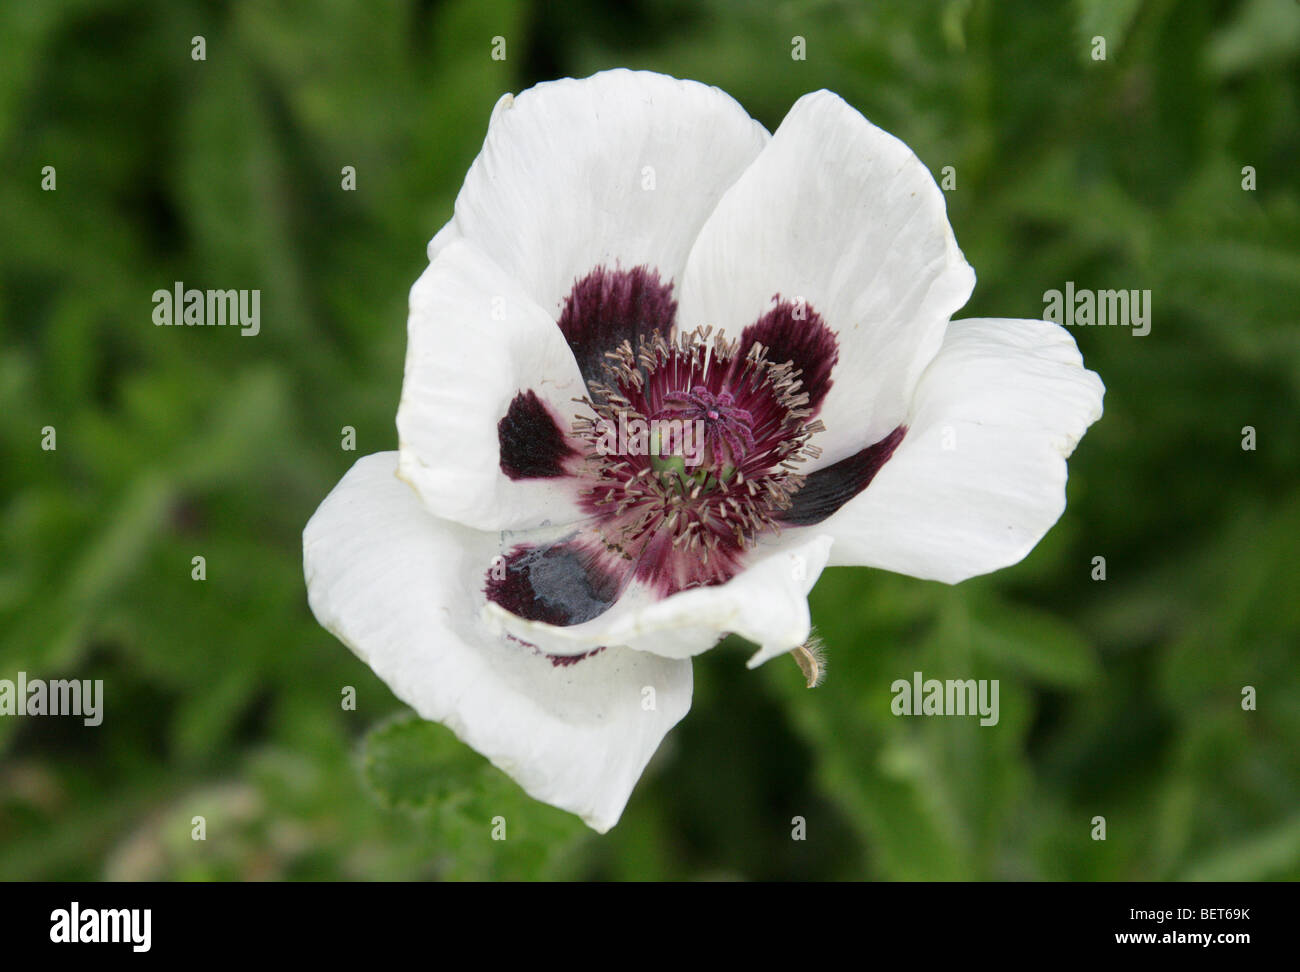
[
  {"x": 558, "y": 583},
  {"x": 532, "y": 445},
  {"x": 607, "y": 307},
  {"x": 823, "y": 492},
  {"x": 792, "y": 331}
]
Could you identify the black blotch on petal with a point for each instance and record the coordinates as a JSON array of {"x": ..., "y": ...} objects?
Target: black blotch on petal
[
  {"x": 826, "y": 490},
  {"x": 607, "y": 307},
  {"x": 532, "y": 445},
  {"x": 558, "y": 584}
]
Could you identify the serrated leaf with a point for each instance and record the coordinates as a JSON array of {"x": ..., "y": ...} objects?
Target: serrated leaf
[{"x": 416, "y": 764}]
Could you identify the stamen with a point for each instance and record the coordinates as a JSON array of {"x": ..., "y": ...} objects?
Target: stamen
[
  {"x": 811, "y": 659},
  {"x": 692, "y": 453}
]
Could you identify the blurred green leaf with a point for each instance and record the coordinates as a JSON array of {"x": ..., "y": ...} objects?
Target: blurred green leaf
[
  {"x": 1266, "y": 856},
  {"x": 1106, "y": 18},
  {"x": 1035, "y": 642}
]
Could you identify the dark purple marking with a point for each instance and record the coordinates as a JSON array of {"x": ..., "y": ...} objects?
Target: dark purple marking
[
  {"x": 558, "y": 583},
  {"x": 564, "y": 661},
  {"x": 804, "y": 340},
  {"x": 532, "y": 445},
  {"x": 607, "y": 307},
  {"x": 823, "y": 492},
  {"x": 557, "y": 661}
]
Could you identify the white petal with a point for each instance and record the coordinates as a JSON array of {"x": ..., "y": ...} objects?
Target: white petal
[
  {"x": 443, "y": 238},
  {"x": 402, "y": 590},
  {"x": 980, "y": 476},
  {"x": 623, "y": 167},
  {"x": 845, "y": 216},
  {"x": 766, "y": 603},
  {"x": 475, "y": 341}
]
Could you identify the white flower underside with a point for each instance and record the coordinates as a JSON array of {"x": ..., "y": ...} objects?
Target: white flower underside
[{"x": 635, "y": 170}]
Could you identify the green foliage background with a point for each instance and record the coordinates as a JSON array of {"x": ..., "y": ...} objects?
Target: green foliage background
[{"x": 1119, "y": 698}]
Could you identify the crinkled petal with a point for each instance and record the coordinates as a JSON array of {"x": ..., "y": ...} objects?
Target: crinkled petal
[
  {"x": 476, "y": 344},
  {"x": 980, "y": 476},
  {"x": 401, "y": 588},
  {"x": 619, "y": 169},
  {"x": 843, "y": 220}
]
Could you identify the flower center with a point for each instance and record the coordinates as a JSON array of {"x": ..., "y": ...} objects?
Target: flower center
[
  {"x": 726, "y": 430},
  {"x": 691, "y": 456}
]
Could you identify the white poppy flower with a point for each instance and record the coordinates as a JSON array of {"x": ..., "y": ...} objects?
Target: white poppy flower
[{"x": 533, "y": 570}]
